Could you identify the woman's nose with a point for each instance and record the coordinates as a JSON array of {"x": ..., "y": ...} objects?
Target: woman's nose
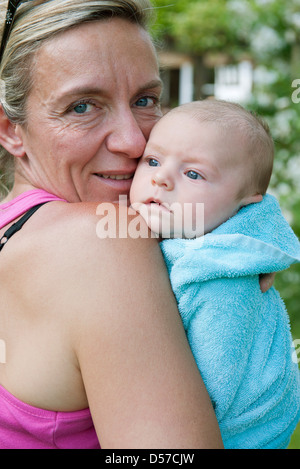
[
  {"x": 162, "y": 179},
  {"x": 127, "y": 137}
]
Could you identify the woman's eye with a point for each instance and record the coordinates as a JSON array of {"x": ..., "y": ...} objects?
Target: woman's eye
[
  {"x": 81, "y": 108},
  {"x": 153, "y": 162},
  {"x": 146, "y": 101},
  {"x": 193, "y": 175}
]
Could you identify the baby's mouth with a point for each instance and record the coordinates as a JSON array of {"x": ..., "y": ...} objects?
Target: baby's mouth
[
  {"x": 153, "y": 201},
  {"x": 161, "y": 205}
]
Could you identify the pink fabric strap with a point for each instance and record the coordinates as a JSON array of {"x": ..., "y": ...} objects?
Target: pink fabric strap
[{"x": 13, "y": 209}]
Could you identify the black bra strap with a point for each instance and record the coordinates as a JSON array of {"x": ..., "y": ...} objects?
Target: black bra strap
[{"x": 18, "y": 225}]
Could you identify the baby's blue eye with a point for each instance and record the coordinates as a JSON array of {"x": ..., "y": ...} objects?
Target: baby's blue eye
[
  {"x": 153, "y": 162},
  {"x": 193, "y": 175}
]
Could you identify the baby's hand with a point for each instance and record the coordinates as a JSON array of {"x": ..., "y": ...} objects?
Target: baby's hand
[{"x": 266, "y": 281}]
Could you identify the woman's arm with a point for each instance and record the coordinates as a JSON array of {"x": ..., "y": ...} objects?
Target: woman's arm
[
  {"x": 142, "y": 383},
  {"x": 266, "y": 281}
]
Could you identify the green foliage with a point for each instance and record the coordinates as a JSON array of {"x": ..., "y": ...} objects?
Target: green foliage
[
  {"x": 272, "y": 98},
  {"x": 198, "y": 25},
  {"x": 295, "y": 441}
]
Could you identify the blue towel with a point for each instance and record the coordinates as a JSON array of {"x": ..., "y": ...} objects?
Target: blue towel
[{"x": 239, "y": 336}]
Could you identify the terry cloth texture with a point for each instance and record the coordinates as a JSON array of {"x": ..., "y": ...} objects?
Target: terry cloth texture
[{"x": 240, "y": 337}]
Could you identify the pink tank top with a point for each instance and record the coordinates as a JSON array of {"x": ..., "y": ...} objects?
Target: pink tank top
[
  {"x": 13, "y": 209},
  {"x": 26, "y": 427}
]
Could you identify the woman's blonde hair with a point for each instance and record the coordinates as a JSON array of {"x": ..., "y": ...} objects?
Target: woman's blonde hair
[{"x": 36, "y": 22}]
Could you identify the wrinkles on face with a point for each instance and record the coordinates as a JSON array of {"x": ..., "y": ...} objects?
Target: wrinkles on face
[{"x": 94, "y": 102}]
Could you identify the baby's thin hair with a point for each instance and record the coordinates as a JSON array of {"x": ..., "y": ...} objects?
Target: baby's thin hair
[{"x": 258, "y": 144}]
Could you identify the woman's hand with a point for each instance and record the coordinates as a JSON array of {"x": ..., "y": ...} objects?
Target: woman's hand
[{"x": 266, "y": 281}]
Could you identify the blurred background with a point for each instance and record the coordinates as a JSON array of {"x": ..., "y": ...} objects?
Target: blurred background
[{"x": 247, "y": 51}]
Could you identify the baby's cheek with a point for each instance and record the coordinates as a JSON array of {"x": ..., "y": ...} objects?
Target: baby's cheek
[
  {"x": 138, "y": 186},
  {"x": 133, "y": 195}
]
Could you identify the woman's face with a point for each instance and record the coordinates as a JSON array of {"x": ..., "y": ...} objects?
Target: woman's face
[{"x": 93, "y": 104}]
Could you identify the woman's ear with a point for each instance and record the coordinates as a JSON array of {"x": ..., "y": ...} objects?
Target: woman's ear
[{"x": 9, "y": 138}]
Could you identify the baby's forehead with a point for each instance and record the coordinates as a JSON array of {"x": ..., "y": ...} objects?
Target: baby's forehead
[
  {"x": 189, "y": 120},
  {"x": 199, "y": 140},
  {"x": 218, "y": 130},
  {"x": 230, "y": 128}
]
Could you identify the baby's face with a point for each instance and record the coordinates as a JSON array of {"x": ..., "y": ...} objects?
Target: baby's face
[{"x": 187, "y": 163}]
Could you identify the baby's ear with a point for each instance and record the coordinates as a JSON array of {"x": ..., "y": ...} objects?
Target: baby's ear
[
  {"x": 9, "y": 138},
  {"x": 251, "y": 199}
]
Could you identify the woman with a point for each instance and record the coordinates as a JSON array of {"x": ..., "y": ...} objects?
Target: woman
[{"x": 86, "y": 322}]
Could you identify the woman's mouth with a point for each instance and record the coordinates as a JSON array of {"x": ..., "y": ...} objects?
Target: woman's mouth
[
  {"x": 116, "y": 177},
  {"x": 117, "y": 184}
]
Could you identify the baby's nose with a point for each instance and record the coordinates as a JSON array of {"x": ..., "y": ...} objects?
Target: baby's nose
[{"x": 162, "y": 179}]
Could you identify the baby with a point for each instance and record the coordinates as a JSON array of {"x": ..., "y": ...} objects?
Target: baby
[
  {"x": 219, "y": 155},
  {"x": 208, "y": 152}
]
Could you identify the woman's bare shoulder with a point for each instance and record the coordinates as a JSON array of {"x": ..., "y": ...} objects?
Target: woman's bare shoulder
[
  {"x": 80, "y": 246},
  {"x": 86, "y": 227},
  {"x": 89, "y": 230},
  {"x": 70, "y": 267}
]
